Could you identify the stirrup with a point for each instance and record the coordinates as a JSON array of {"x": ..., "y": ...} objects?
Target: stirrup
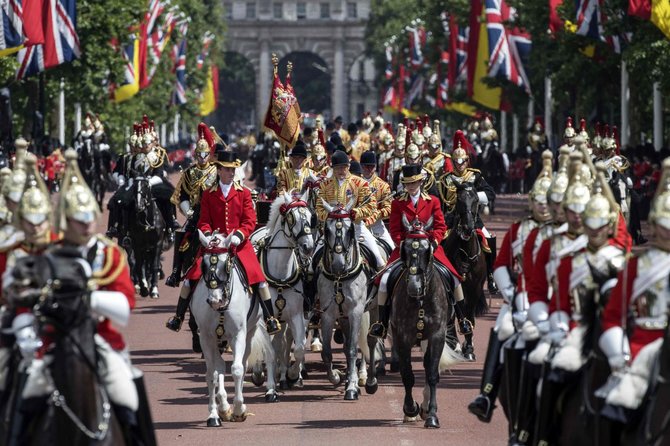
[
  {"x": 174, "y": 323},
  {"x": 464, "y": 326},
  {"x": 377, "y": 330},
  {"x": 272, "y": 325}
]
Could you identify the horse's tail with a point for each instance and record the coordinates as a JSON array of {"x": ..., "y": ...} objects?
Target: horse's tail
[
  {"x": 448, "y": 359},
  {"x": 261, "y": 347},
  {"x": 475, "y": 300}
]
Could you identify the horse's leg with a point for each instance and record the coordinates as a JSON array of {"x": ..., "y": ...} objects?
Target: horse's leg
[
  {"x": 327, "y": 322},
  {"x": 410, "y": 407},
  {"x": 362, "y": 342},
  {"x": 156, "y": 260},
  {"x": 267, "y": 353},
  {"x": 298, "y": 331},
  {"x": 214, "y": 378},
  {"x": 371, "y": 384},
  {"x": 431, "y": 363},
  {"x": 237, "y": 369},
  {"x": 351, "y": 349},
  {"x": 282, "y": 351}
]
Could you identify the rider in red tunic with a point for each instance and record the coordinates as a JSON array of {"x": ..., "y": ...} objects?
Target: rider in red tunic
[
  {"x": 227, "y": 210},
  {"x": 415, "y": 204}
]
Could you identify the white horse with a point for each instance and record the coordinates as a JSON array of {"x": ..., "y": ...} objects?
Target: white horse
[
  {"x": 342, "y": 287},
  {"x": 285, "y": 247},
  {"x": 221, "y": 304}
]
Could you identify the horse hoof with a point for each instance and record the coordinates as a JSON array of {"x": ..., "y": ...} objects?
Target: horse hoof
[
  {"x": 137, "y": 289},
  {"x": 432, "y": 422},
  {"x": 361, "y": 382},
  {"x": 469, "y": 353},
  {"x": 271, "y": 397},
  {"x": 412, "y": 412},
  {"x": 154, "y": 295},
  {"x": 240, "y": 418},
  {"x": 292, "y": 381},
  {"x": 227, "y": 415},
  {"x": 371, "y": 389},
  {"x": 316, "y": 346},
  {"x": 470, "y": 357},
  {"x": 144, "y": 292},
  {"x": 422, "y": 413},
  {"x": 351, "y": 395},
  {"x": 335, "y": 379},
  {"x": 258, "y": 378},
  {"x": 213, "y": 422},
  {"x": 283, "y": 385}
]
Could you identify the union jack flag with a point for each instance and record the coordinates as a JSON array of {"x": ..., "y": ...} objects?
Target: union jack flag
[
  {"x": 389, "y": 62},
  {"x": 206, "y": 42},
  {"x": 61, "y": 43},
  {"x": 179, "y": 96},
  {"x": 508, "y": 47},
  {"x": 590, "y": 21},
  {"x": 158, "y": 40},
  {"x": 458, "y": 53},
  {"x": 417, "y": 40},
  {"x": 11, "y": 26}
]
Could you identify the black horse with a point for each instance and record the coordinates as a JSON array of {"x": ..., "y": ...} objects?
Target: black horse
[
  {"x": 91, "y": 168},
  {"x": 76, "y": 410},
  {"x": 464, "y": 250},
  {"x": 492, "y": 165},
  {"x": 146, "y": 238},
  {"x": 421, "y": 311}
]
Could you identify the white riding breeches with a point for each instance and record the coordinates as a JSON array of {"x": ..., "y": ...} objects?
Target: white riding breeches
[
  {"x": 366, "y": 237},
  {"x": 379, "y": 230},
  {"x": 116, "y": 375}
]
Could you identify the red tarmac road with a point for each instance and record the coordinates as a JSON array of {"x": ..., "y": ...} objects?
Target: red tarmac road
[{"x": 316, "y": 414}]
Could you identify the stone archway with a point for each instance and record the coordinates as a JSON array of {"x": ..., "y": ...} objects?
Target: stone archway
[
  {"x": 311, "y": 78},
  {"x": 236, "y": 112}
]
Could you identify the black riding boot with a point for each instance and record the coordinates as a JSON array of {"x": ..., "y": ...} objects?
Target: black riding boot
[
  {"x": 195, "y": 334},
  {"x": 168, "y": 213},
  {"x": 177, "y": 261},
  {"x": 513, "y": 367},
  {"x": 545, "y": 423},
  {"x": 380, "y": 328},
  {"x": 271, "y": 323},
  {"x": 490, "y": 261},
  {"x": 530, "y": 374},
  {"x": 464, "y": 325},
  {"x": 113, "y": 222},
  {"x": 483, "y": 405},
  {"x": 174, "y": 323}
]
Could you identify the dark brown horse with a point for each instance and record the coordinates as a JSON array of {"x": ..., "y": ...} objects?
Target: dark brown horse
[
  {"x": 464, "y": 250},
  {"x": 76, "y": 409}
]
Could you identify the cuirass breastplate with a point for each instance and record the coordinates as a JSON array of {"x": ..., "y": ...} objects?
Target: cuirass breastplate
[{"x": 650, "y": 307}]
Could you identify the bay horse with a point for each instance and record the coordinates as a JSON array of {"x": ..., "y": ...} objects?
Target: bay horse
[
  {"x": 146, "y": 233},
  {"x": 226, "y": 311},
  {"x": 74, "y": 407},
  {"x": 342, "y": 289},
  {"x": 421, "y": 311},
  {"x": 284, "y": 248},
  {"x": 465, "y": 252}
]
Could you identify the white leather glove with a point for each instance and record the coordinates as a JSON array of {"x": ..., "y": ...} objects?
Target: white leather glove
[
  {"x": 111, "y": 304},
  {"x": 185, "y": 207},
  {"x": 483, "y": 199},
  {"x": 505, "y": 285},
  {"x": 154, "y": 180},
  {"x": 235, "y": 240}
]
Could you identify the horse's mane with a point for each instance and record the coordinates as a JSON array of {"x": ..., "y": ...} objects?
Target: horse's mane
[{"x": 273, "y": 219}]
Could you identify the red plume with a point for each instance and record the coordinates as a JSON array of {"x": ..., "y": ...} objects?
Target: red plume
[
  {"x": 204, "y": 132},
  {"x": 606, "y": 131},
  {"x": 426, "y": 121},
  {"x": 598, "y": 129},
  {"x": 406, "y": 122},
  {"x": 152, "y": 126},
  {"x": 419, "y": 124},
  {"x": 582, "y": 125},
  {"x": 615, "y": 137},
  {"x": 380, "y": 113},
  {"x": 389, "y": 128},
  {"x": 408, "y": 135},
  {"x": 145, "y": 120},
  {"x": 568, "y": 123},
  {"x": 538, "y": 120},
  {"x": 322, "y": 139}
]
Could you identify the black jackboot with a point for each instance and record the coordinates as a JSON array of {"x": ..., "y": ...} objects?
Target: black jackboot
[
  {"x": 177, "y": 261},
  {"x": 113, "y": 222},
  {"x": 174, "y": 323},
  {"x": 271, "y": 323},
  {"x": 513, "y": 367},
  {"x": 483, "y": 405},
  {"x": 490, "y": 261},
  {"x": 464, "y": 324},
  {"x": 380, "y": 328},
  {"x": 545, "y": 423},
  {"x": 530, "y": 373}
]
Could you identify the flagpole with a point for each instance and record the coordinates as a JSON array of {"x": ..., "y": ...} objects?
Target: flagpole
[
  {"x": 503, "y": 131},
  {"x": 548, "y": 100},
  {"x": 175, "y": 128},
  {"x": 77, "y": 118},
  {"x": 658, "y": 117},
  {"x": 515, "y": 131},
  {"x": 531, "y": 112},
  {"x": 625, "y": 97},
  {"x": 61, "y": 112}
]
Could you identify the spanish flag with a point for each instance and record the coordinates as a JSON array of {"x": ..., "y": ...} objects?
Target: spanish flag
[{"x": 210, "y": 96}]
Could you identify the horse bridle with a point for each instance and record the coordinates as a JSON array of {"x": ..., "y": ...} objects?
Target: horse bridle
[
  {"x": 413, "y": 270},
  {"x": 338, "y": 215}
]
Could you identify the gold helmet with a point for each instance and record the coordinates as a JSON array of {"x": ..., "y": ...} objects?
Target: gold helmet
[
  {"x": 76, "y": 199},
  {"x": 435, "y": 139},
  {"x": 427, "y": 131},
  {"x": 601, "y": 208},
  {"x": 319, "y": 149},
  {"x": 35, "y": 205},
  {"x": 205, "y": 144},
  {"x": 132, "y": 139},
  {"x": 13, "y": 186},
  {"x": 560, "y": 182},
  {"x": 486, "y": 123},
  {"x": 5, "y": 213},
  {"x": 597, "y": 138},
  {"x": 368, "y": 123},
  {"x": 541, "y": 186},
  {"x": 578, "y": 193},
  {"x": 459, "y": 155},
  {"x": 583, "y": 134},
  {"x": 412, "y": 151},
  {"x": 417, "y": 133},
  {"x": 660, "y": 208},
  {"x": 569, "y": 129},
  {"x": 401, "y": 136},
  {"x": 609, "y": 142}
]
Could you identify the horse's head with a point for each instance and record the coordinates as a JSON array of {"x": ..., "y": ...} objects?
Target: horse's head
[
  {"x": 296, "y": 223},
  {"x": 339, "y": 236},
  {"x": 416, "y": 253},
  {"x": 143, "y": 198},
  {"x": 467, "y": 203},
  {"x": 217, "y": 266}
]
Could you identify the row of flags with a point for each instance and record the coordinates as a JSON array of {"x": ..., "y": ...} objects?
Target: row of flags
[
  {"x": 491, "y": 46},
  {"x": 43, "y": 33}
]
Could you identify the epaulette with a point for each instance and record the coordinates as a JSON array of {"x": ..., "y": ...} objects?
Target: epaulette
[
  {"x": 472, "y": 169},
  {"x": 426, "y": 196},
  {"x": 237, "y": 185},
  {"x": 404, "y": 196}
]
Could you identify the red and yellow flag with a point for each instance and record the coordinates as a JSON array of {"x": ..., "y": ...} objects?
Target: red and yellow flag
[{"x": 283, "y": 114}]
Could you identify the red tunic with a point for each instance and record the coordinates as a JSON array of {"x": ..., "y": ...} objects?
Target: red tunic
[
  {"x": 114, "y": 276},
  {"x": 619, "y": 302},
  {"x": 427, "y": 206},
  {"x": 537, "y": 282},
  {"x": 622, "y": 237},
  {"x": 233, "y": 214},
  {"x": 528, "y": 264}
]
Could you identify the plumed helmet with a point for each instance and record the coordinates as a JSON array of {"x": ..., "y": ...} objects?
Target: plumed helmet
[
  {"x": 76, "y": 202},
  {"x": 412, "y": 151},
  {"x": 609, "y": 143},
  {"x": 132, "y": 139},
  {"x": 427, "y": 131},
  {"x": 379, "y": 119},
  {"x": 435, "y": 139},
  {"x": 486, "y": 124},
  {"x": 368, "y": 123},
  {"x": 660, "y": 208},
  {"x": 538, "y": 126},
  {"x": 417, "y": 133},
  {"x": 13, "y": 186},
  {"x": 569, "y": 131},
  {"x": 5, "y": 214},
  {"x": 459, "y": 148},
  {"x": 601, "y": 208},
  {"x": 597, "y": 137},
  {"x": 538, "y": 192},
  {"x": 578, "y": 193},
  {"x": 205, "y": 142},
  {"x": 560, "y": 182},
  {"x": 35, "y": 205},
  {"x": 583, "y": 134},
  {"x": 400, "y": 136}
]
